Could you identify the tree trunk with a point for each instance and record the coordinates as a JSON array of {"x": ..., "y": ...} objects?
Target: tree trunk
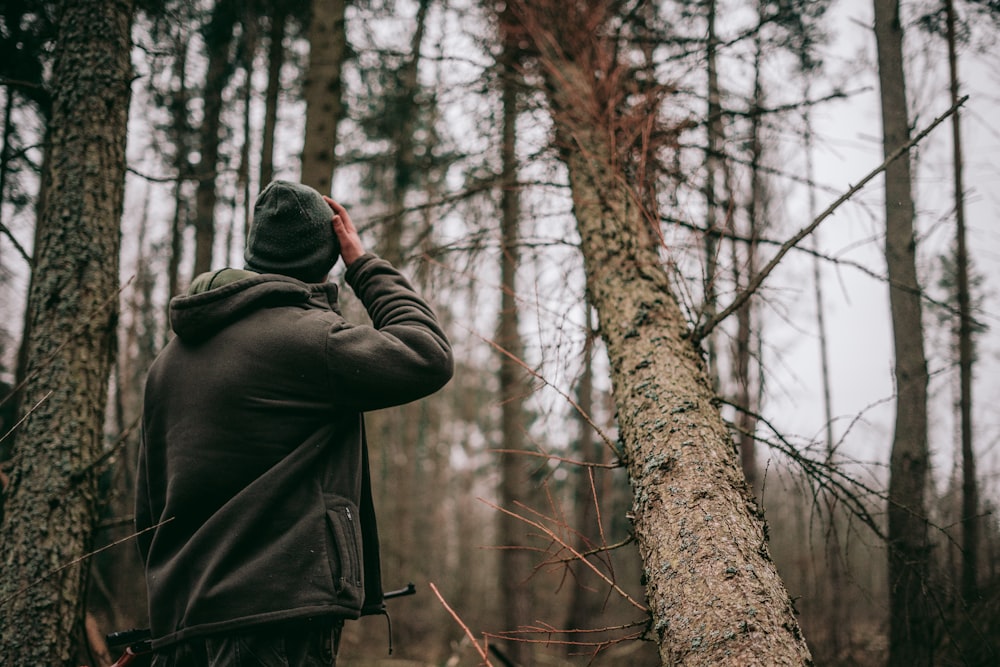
[
  {"x": 837, "y": 627},
  {"x": 910, "y": 633},
  {"x": 405, "y": 113},
  {"x": 181, "y": 134},
  {"x": 588, "y": 600},
  {"x": 248, "y": 46},
  {"x": 713, "y": 156},
  {"x": 743, "y": 352},
  {"x": 324, "y": 107},
  {"x": 713, "y": 592},
  {"x": 52, "y": 499},
  {"x": 218, "y": 39},
  {"x": 516, "y": 560},
  {"x": 970, "y": 491},
  {"x": 275, "y": 61}
]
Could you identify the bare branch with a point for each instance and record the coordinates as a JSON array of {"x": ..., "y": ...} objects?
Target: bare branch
[
  {"x": 17, "y": 246},
  {"x": 77, "y": 561},
  {"x": 538, "y": 376},
  {"x": 555, "y": 538},
  {"x": 465, "y": 628},
  {"x": 701, "y": 331}
]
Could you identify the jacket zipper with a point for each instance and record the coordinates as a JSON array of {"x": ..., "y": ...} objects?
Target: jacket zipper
[{"x": 354, "y": 541}]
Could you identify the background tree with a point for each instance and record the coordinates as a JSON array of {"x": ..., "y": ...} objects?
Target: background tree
[
  {"x": 323, "y": 90},
  {"x": 911, "y": 627},
  {"x": 51, "y": 503}
]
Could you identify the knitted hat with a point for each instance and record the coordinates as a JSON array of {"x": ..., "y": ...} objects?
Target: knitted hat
[{"x": 292, "y": 233}]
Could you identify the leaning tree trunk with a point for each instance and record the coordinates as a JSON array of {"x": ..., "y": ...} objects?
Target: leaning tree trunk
[
  {"x": 713, "y": 592},
  {"x": 910, "y": 627},
  {"x": 52, "y": 500}
]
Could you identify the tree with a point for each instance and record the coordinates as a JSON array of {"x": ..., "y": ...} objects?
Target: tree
[
  {"x": 910, "y": 630},
  {"x": 218, "y": 34},
  {"x": 324, "y": 107},
  {"x": 713, "y": 593},
  {"x": 275, "y": 61},
  {"x": 52, "y": 501},
  {"x": 970, "y": 491},
  {"x": 515, "y": 559}
]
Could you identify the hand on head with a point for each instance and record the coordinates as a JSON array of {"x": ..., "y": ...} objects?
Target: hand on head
[{"x": 347, "y": 234}]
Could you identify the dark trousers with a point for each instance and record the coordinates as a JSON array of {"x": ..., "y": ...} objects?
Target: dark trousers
[{"x": 306, "y": 644}]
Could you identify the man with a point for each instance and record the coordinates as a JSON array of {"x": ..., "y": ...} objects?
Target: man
[{"x": 253, "y": 472}]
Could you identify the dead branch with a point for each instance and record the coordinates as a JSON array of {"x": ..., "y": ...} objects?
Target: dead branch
[
  {"x": 557, "y": 539},
  {"x": 538, "y": 376},
  {"x": 77, "y": 561},
  {"x": 703, "y": 330},
  {"x": 481, "y": 650},
  {"x": 17, "y": 246}
]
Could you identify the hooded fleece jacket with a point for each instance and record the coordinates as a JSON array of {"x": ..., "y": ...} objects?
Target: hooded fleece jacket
[{"x": 253, "y": 482}]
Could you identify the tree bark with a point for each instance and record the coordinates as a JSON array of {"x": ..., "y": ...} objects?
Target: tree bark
[
  {"x": 910, "y": 633},
  {"x": 713, "y": 592},
  {"x": 324, "y": 107},
  {"x": 52, "y": 499}
]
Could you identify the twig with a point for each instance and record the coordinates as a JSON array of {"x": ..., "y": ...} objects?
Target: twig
[
  {"x": 554, "y": 537},
  {"x": 26, "y": 415},
  {"x": 703, "y": 330},
  {"x": 17, "y": 246},
  {"x": 77, "y": 561},
  {"x": 468, "y": 633},
  {"x": 538, "y": 376}
]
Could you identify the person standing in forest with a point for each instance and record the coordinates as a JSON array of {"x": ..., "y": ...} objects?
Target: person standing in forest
[{"x": 254, "y": 487}]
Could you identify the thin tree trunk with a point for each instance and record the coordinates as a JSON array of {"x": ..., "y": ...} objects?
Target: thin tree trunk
[
  {"x": 970, "y": 492},
  {"x": 324, "y": 107},
  {"x": 746, "y": 422},
  {"x": 911, "y": 627},
  {"x": 585, "y": 606},
  {"x": 711, "y": 588},
  {"x": 713, "y": 156},
  {"x": 836, "y": 624},
  {"x": 218, "y": 38},
  {"x": 249, "y": 48},
  {"x": 404, "y": 165},
  {"x": 52, "y": 500},
  {"x": 275, "y": 61},
  {"x": 181, "y": 135},
  {"x": 516, "y": 559}
]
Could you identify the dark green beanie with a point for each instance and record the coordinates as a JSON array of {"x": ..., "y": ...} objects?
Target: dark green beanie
[{"x": 292, "y": 233}]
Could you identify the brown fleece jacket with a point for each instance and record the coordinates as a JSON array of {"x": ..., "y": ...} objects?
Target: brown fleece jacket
[{"x": 254, "y": 465}]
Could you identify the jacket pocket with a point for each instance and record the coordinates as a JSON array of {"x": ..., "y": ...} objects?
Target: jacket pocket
[{"x": 344, "y": 549}]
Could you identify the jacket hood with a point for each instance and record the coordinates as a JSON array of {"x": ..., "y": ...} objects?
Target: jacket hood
[{"x": 200, "y": 315}]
